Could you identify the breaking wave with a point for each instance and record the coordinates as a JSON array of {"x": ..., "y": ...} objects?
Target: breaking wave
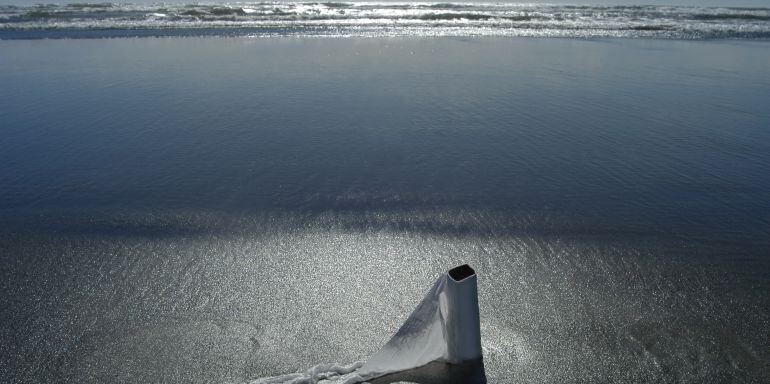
[{"x": 362, "y": 19}]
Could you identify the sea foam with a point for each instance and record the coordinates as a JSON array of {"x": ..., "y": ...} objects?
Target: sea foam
[{"x": 321, "y": 374}]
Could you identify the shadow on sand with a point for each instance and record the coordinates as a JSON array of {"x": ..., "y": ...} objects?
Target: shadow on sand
[{"x": 439, "y": 373}]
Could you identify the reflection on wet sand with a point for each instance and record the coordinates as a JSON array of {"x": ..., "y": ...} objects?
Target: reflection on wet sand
[{"x": 439, "y": 373}]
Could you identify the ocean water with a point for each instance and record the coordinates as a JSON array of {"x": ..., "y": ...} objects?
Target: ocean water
[
  {"x": 221, "y": 209},
  {"x": 379, "y": 19}
]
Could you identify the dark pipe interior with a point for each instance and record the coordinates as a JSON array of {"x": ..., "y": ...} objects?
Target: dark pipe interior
[{"x": 461, "y": 273}]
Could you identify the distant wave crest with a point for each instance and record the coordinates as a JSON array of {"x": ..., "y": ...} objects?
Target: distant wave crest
[{"x": 342, "y": 19}]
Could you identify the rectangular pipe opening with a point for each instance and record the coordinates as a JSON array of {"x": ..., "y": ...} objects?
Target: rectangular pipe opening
[{"x": 461, "y": 273}]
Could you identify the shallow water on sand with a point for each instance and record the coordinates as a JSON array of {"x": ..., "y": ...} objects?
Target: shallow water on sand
[{"x": 218, "y": 210}]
